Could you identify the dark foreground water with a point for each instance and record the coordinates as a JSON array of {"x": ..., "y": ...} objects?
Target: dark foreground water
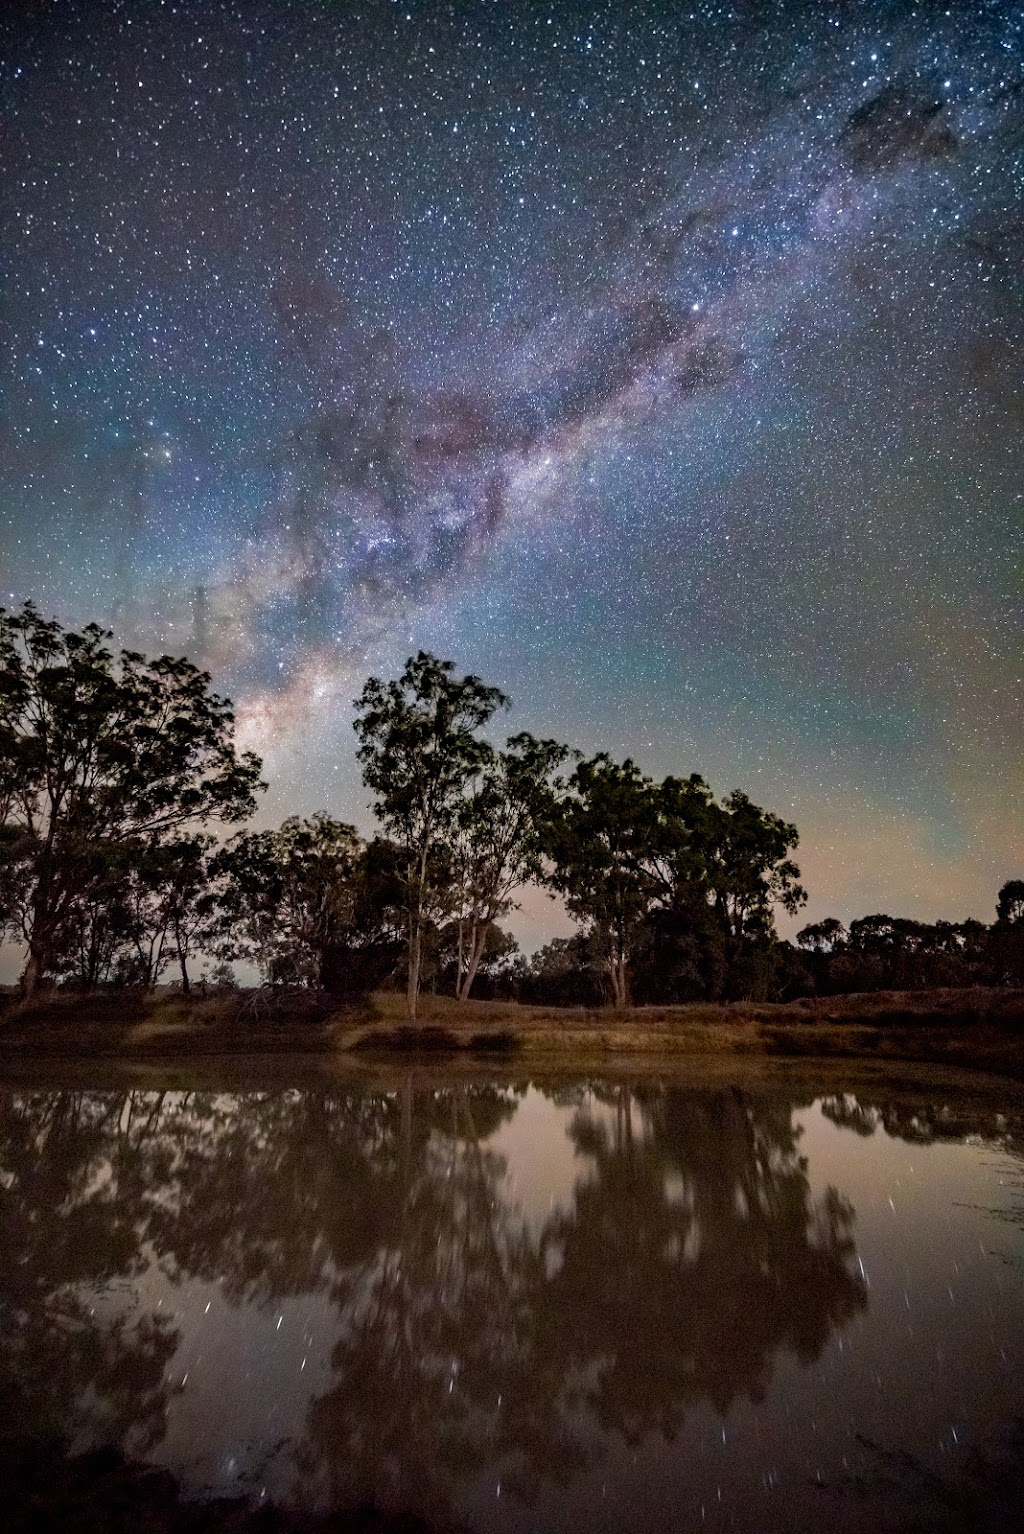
[{"x": 563, "y": 1304}]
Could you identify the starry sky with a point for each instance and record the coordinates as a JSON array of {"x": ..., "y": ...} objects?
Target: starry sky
[{"x": 661, "y": 364}]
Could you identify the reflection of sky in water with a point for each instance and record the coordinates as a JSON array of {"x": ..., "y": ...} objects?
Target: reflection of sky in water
[
  {"x": 748, "y": 1265},
  {"x": 544, "y": 1165}
]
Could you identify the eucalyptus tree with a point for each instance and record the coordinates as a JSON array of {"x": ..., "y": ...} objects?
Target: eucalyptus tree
[
  {"x": 101, "y": 935},
  {"x": 664, "y": 872},
  {"x": 98, "y": 752},
  {"x": 175, "y": 896},
  {"x": 753, "y": 872},
  {"x": 143, "y": 906},
  {"x": 602, "y": 844},
  {"x": 289, "y": 895},
  {"x": 16, "y": 854},
  {"x": 499, "y": 839},
  {"x": 420, "y": 750},
  {"x": 749, "y": 874},
  {"x": 822, "y": 936},
  {"x": 1010, "y": 903}
]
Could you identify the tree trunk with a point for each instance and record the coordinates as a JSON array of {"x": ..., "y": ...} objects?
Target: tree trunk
[
  {"x": 185, "y": 984},
  {"x": 415, "y": 950},
  {"x": 459, "y": 977},
  {"x": 617, "y": 971},
  {"x": 40, "y": 958},
  {"x": 33, "y": 973},
  {"x": 476, "y": 954},
  {"x": 416, "y": 933}
]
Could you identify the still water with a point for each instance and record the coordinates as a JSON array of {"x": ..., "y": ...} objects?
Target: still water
[{"x": 514, "y": 1304}]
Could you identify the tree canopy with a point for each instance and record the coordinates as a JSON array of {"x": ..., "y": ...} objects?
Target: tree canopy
[
  {"x": 664, "y": 867},
  {"x": 97, "y": 755},
  {"x": 120, "y": 780},
  {"x": 499, "y": 839},
  {"x": 420, "y": 748}
]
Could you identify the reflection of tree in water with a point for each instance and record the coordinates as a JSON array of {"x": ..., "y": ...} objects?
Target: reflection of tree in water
[
  {"x": 985, "y": 1490},
  {"x": 66, "y": 1227},
  {"x": 692, "y": 1255},
  {"x": 436, "y": 1377},
  {"x": 268, "y": 1194},
  {"x": 468, "y": 1340},
  {"x": 923, "y": 1120}
]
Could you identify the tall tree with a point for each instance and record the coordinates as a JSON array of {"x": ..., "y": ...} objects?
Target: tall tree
[
  {"x": 97, "y": 751},
  {"x": 499, "y": 840},
  {"x": 602, "y": 844},
  {"x": 751, "y": 874},
  {"x": 723, "y": 867},
  {"x": 99, "y": 936},
  {"x": 175, "y": 903},
  {"x": 420, "y": 748},
  {"x": 662, "y": 867}
]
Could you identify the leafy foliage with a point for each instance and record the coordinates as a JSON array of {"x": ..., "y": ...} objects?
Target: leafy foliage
[
  {"x": 420, "y": 748},
  {"x": 498, "y": 842},
  {"x": 116, "y": 771},
  {"x": 662, "y": 873},
  {"x": 101, "y": 761},
  {"x": 303, "y": 899},
  {"x": 881, "y": 952}
]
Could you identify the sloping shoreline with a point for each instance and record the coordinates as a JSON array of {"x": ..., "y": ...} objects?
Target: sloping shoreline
[{"x": 981, "y": 1029}]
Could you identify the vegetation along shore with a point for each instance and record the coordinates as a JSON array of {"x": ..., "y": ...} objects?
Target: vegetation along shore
[{"x": 126, "y": 868}]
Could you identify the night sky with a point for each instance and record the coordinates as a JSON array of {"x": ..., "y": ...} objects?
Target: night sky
[{"x": 663, "y": 365}]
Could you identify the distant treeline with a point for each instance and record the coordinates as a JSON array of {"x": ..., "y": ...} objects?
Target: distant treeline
[
  {"x": 876, "y": 953},
  {"x": 119, "y": 776},
  {"x": 893, "y": 953}
]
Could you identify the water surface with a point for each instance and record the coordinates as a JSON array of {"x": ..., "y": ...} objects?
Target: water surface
[{"x": 508, "y": 1304}]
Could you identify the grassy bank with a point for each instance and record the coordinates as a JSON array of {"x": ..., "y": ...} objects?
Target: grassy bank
[{"x": 978, "y": 1028}]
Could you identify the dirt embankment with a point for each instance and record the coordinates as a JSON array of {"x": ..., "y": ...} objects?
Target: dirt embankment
[{"x": 981, "y": 1028}]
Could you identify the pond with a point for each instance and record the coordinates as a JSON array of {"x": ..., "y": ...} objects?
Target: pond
[{"x": 609, "y": 1302}]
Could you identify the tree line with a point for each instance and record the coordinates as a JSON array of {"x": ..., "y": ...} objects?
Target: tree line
[
  {"x": 882, "y": 952},
  {"x": 123, "y": 858}
]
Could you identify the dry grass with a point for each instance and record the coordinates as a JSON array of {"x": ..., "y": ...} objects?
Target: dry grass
[{"x": 977, "y": 1027}]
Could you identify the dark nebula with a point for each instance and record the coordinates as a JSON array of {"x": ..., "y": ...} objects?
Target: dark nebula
[{"x": 663, "y": 367}]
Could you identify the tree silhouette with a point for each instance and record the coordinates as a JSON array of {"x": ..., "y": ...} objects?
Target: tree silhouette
[
  {"x": 420, "y": 749},
  {"x": 97, "y": 754},
  {"x": 691, "y": 1257},
  {"x": 498, "y": 841},
  {"x": 602, "y": 843}
]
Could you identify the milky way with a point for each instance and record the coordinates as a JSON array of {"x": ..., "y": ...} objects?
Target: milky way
[{"x": 663, "y": 366}]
